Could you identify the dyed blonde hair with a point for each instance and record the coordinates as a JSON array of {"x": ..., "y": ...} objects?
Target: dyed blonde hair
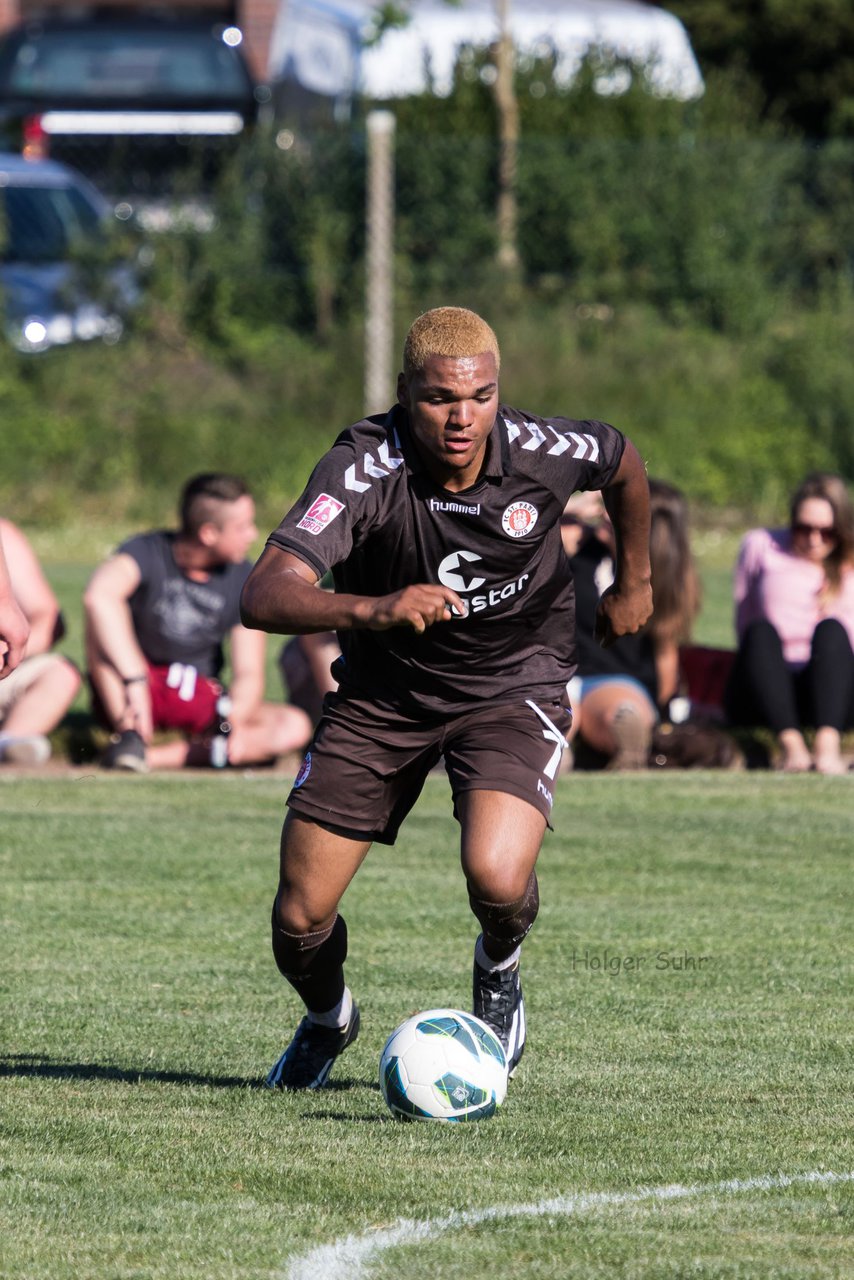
[{"x": 448, "y": 331}]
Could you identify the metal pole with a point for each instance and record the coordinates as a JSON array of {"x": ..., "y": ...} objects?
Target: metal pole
[
  {"x": 507, "y": 215},
  {"x": 379, "y": 318}
]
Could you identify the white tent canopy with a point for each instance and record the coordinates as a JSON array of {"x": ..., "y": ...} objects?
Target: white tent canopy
[{"x": 320, "y": 43}]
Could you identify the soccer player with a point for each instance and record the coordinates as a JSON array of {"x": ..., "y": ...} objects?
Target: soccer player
[
  {"x": 454, "y": 608},
  {"x": 158, "y": 613}
]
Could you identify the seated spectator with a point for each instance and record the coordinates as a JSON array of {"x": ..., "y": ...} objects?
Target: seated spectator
[
  {"x": 794, "y": 596},
  {"x": 618, "y": 693},
  {"x": 37, "y": 694},
  {"x": 14, "y": 627},
  {"x": 157, "y": 615}
]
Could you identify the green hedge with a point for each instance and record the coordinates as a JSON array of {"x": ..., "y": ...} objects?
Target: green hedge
[{"x": 98, "y": 433}]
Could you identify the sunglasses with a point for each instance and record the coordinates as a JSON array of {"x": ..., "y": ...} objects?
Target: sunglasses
[{"x": 826, "y": 532}]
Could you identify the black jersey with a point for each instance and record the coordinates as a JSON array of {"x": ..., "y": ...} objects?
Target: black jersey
[{"x": 373, "y": 515}]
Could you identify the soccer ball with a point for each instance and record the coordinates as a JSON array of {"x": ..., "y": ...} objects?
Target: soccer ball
[{"x": 443, "y": 1065}]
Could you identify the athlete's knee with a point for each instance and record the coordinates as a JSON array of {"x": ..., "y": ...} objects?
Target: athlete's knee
[
  {"x": 507, "y": 922},
  {"x": 299, "y": 948},
  {"x": 301, "y": 906}
]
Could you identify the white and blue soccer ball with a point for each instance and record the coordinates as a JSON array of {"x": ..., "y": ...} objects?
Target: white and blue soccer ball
[{"x": 443, "y": 1065}]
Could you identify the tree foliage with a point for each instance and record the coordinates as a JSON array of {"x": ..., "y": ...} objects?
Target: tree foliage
[
  {"x": 800, "y": 54},
  {"x": 687, "y": 271}
]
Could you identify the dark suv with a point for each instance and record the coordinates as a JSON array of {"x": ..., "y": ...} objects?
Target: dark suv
[
  {"x": 145, "y": 108},
  {"x": 68, "y": 267}
]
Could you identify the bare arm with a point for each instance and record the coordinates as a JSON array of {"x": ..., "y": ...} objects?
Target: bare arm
[
  {"x": 667, "y": 670},
  {"x": 14, "y": 628},
  {"x": 246, "y": 687},
  {"x": 627, "y": 604},
  {"x": 281, "y": 595},
  {"x": 747, "y": 581},
  {"x": 107, "y": 608},
  {"x": 32, "y": 590},
  {"x": 110, "y": 629}
]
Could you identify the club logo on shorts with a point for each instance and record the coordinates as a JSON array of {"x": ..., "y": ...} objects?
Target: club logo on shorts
[
  {"x": 304, "y": 771},
  {"x": 322, "y": 512},
  {"x": 518, "y": 519}
]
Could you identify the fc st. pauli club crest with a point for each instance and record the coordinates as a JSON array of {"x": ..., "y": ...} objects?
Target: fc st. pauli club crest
[{"x": 518, "y": 519}]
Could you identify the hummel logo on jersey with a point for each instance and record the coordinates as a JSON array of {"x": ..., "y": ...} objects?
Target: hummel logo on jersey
[
  {"x": 322, "y": 512},
  {"x": 388, "y": 459},
  {"x": 456, "y": 508},
  {"x": 583, "y": 445}
]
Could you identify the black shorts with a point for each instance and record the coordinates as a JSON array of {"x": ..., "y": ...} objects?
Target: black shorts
[{"x": 366, "y": 765}]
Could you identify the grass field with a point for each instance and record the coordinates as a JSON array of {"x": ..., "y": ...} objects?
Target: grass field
[{"x": 688, "y": 987}]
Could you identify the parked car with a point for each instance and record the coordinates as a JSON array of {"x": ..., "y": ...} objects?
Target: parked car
[
  {"x": 67, "y": 273},
  {"x": 136, "y": 104}
]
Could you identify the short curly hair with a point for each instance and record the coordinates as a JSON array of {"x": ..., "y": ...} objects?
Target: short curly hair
[{"x": 448, "y": 331}]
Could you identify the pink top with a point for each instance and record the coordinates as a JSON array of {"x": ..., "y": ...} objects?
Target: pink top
[{"x": 772, "y": 583}]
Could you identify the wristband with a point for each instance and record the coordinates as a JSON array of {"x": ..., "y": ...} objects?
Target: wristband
[{"x": 126, "y": 680}]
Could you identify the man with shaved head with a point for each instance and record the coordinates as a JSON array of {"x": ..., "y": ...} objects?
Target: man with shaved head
[
  {"x": 454, "y": 608},
  {"x": 159, "y": 613}
]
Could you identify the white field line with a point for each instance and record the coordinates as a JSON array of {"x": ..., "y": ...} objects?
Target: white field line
[{"x": 348, "y": 1257}]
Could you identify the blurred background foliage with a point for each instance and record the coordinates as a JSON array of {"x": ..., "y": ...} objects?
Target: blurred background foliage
[
  {"x": 800, "y": 56},
  {"x": 686, "y": 273}
]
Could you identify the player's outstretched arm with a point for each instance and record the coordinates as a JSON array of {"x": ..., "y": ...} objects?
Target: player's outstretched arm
[
  {"x": 627, "y": 604},
  {"x": 281, "y": 595}
]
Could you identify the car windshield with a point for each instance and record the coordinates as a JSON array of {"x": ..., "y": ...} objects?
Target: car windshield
[
  {"x": 126, "y": 64},
  {"x": 43, "y": 224}
]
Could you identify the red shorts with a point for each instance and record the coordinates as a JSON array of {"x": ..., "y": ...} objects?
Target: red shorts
[
  {"x": 181, "y": 698},
  {"x": 366, "y": 765}
]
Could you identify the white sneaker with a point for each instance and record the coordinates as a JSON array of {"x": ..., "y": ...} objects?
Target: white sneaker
[{"x": 33, "y": 748}]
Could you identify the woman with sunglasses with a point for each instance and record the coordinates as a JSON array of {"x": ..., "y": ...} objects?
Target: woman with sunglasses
[{"x": 794, "y": 596}]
